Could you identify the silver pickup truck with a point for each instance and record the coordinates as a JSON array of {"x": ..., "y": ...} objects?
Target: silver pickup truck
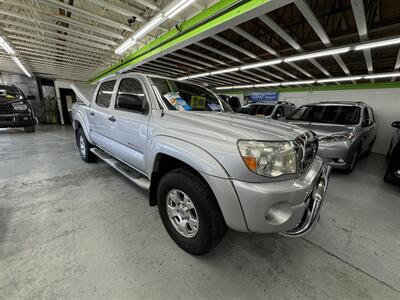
[{"x": 205, "y": 167}]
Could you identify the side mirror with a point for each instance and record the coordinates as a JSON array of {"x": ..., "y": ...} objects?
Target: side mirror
[
  {"x": 396, "y": 124},
  {"x": 277, "y": 116},
  {"x": 30, "y": 97}
]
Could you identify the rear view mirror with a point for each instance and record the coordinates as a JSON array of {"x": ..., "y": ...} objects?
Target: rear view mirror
[{"x": 396, "y": 124}]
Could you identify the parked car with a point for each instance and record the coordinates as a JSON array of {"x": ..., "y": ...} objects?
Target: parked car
[
  {"x": 392, "y": 174},
  {"x": 14, "y": 111},
  {"x": 346, "y": 130},
  {"x": 274, "y": 110},
  {"x": 233, "y": 101},
  {"x": 205, "y": 167}
]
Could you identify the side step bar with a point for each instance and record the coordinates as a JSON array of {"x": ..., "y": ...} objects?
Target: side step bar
[{"x": 128, "y": 172}]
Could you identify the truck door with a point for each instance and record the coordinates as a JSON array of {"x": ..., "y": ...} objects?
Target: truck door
[
  {"x": 129, "y": 122},
  {"x": 99, "y": 113}
]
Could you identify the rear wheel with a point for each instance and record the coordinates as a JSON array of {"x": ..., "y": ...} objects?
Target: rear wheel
[
  {"x": 189, "y": 211},
  {"x": 29, "y": 128},
  {"x": 84, "y": 147}
]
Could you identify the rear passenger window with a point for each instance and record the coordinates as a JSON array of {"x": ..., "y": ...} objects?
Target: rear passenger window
[
  {"x": 131, "y": 97},
  {"x": 104, "y": 94}
]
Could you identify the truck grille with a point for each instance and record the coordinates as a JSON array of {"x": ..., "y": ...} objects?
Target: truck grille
[
  {"x": 6, "y": 108},
  {"x": 306, "y": 148}
]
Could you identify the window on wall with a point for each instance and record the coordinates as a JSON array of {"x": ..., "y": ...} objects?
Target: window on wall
[
  {"x": 131, "y": 97},
  {"x": 104, "y": 94}
]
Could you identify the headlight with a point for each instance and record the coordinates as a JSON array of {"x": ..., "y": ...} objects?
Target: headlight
[
  {"x": 20, "y": 106},
  {"x": 269, "y": 158},
  {"x": 337, "y": 138}
]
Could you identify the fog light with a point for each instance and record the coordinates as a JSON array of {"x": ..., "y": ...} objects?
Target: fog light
[
  {"x": 341, "y": 161},
  {"x": 279, "y": 213},
  {"x": 319, "y": 190}
]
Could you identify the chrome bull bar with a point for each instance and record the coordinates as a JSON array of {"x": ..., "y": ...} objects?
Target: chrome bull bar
[{"x": 311, "y": 215}]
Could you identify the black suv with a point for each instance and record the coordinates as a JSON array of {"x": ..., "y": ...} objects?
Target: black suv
[
  {"x": 393, "y": 169},
  {"x": 14, "y": 111}
]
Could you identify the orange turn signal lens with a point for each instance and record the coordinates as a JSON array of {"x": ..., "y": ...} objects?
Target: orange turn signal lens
[{"x": 250, "y": 162}]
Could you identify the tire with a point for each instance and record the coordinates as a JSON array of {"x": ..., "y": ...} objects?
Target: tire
[
  {"x": 352, "y": 162},
  {"x": 29, "y": 129},
  {"x": 183, "y": 194},
  {"x": 84, "y": 147},
  {"x": 368, "y": 152}
]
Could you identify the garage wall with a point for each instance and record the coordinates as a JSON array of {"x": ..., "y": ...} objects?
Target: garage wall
[{"x": 385, "y": 103}]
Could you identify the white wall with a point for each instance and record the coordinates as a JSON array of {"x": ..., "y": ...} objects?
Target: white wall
[{"x": 384, "y": 102}]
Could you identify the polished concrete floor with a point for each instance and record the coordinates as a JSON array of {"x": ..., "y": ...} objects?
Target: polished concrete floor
[{"x": 70, "y": 230}]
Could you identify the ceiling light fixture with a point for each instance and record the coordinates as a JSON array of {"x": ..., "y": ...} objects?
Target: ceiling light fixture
[
  {"x": 177, "y": 8},
  {"x": 6, "y": 46},
  {"x": 298, "y": 82},
  {"x": 317, "y": 54},
  {"x": 267, "y": 85},
  {"x": 262, "y": 64},
  {"x": 385, "y": 75},
  {"x": 199, "y": 75},
  {"x": 21, "y": 66},
  {"x": 351, "y": 78},
  {"x": 377, "y": 44},
  {"x": 224, "y": 71}
]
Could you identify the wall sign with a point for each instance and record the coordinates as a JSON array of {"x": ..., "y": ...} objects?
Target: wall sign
[{"x": 262, "y": 96}]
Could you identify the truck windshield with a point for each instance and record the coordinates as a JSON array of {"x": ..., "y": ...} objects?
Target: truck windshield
[
  {"x": 182, "y": 96},
  {"x": 9, "y": 92},
  {"x": 332, "y": 114}
]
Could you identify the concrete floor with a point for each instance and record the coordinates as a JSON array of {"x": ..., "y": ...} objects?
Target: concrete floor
[{"x": 70, "y": 230}]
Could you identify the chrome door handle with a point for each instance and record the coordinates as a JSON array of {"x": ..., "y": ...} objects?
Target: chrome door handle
[{"x": 112, "y": 119}]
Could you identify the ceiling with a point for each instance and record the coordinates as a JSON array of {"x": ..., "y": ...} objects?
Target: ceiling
[{"x": 76, "y": 39}]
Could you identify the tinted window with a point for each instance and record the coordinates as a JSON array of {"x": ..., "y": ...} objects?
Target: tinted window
[
  {"x": 262, "y": 110},
  {"x": 332, "y": 114},
  {"x": 131, "y": 96},
  {"x": 366, "y": 114},
  {"x": 105, "y": 93},
  {"x": 278, "y": 112}
]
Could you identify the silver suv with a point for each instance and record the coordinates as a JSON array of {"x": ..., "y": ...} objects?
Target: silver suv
[
  {"x": 268, "y": 109},
  {"x": 346, "y": 130},
  {"x": 206, "y": 168}
]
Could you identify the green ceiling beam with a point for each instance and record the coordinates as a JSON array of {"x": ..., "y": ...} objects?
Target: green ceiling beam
[{"x": 221, "y": 12}]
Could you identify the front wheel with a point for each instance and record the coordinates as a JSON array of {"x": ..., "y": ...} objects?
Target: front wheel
[
  {"x": 352, "y": 162},
  {"x": 189, "y": 211},
  {"x": 84, "y": 147}
]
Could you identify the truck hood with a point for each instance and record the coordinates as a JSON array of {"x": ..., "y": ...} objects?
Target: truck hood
[
  {"x": 323, "y": 129},
  {"x": 232, "y": 125}
]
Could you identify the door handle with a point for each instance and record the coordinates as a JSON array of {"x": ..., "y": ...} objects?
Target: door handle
[
  {"x": 92, "y": 113},
  {"x": 112, "y": 119}
]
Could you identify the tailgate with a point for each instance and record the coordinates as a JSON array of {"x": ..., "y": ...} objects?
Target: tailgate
[{"x": 84, "y": 92}]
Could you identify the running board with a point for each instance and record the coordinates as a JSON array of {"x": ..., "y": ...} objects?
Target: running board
[{"x": 128, "y": 172}]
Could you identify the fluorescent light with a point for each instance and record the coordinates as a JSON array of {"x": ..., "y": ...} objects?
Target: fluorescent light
[
  {"x": 199, "y": 75},
  {"x": 224, "y": 88},
  {"x": 242, "y": 86},
  {"x": 177, "y": 8},
  {"x": 224, "y": 71},
  {"x": 261, "y": 64},
  {"x": 21, "y": 66},
  {"x": 298, "y": 82},
  {"x": 267, "y": 84},
  {"x": 385, "y": 75},
  {"x": 183, "y": 78},
  {"x": 6, "y": 46},
  {"x": 148, "y": 27},
  {"x": 317, "y": 54},
  {"x": 125, "y": 46},
  {"x": 378, "y": 44},
  {"x": 351, "y": 78}
]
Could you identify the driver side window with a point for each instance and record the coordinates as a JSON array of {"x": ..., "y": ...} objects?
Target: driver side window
[{"x": 131, "y": 97}]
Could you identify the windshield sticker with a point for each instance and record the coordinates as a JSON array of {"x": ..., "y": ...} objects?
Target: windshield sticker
[
  {"x": 177, "y": 101},
  {"x": 198, "y": 102},
  {"x": 214, "y": 106}
]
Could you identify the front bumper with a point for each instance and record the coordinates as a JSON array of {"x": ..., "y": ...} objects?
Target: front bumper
[
  {"x": 336, "y": 154},
  {"x": 289, "y": 207},
  {"x": 22, "y": 119}
]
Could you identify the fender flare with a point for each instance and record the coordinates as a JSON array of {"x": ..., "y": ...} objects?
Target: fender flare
[
  {"x": 191, "y": 154},
  {"x": 81, "y": 118}
]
